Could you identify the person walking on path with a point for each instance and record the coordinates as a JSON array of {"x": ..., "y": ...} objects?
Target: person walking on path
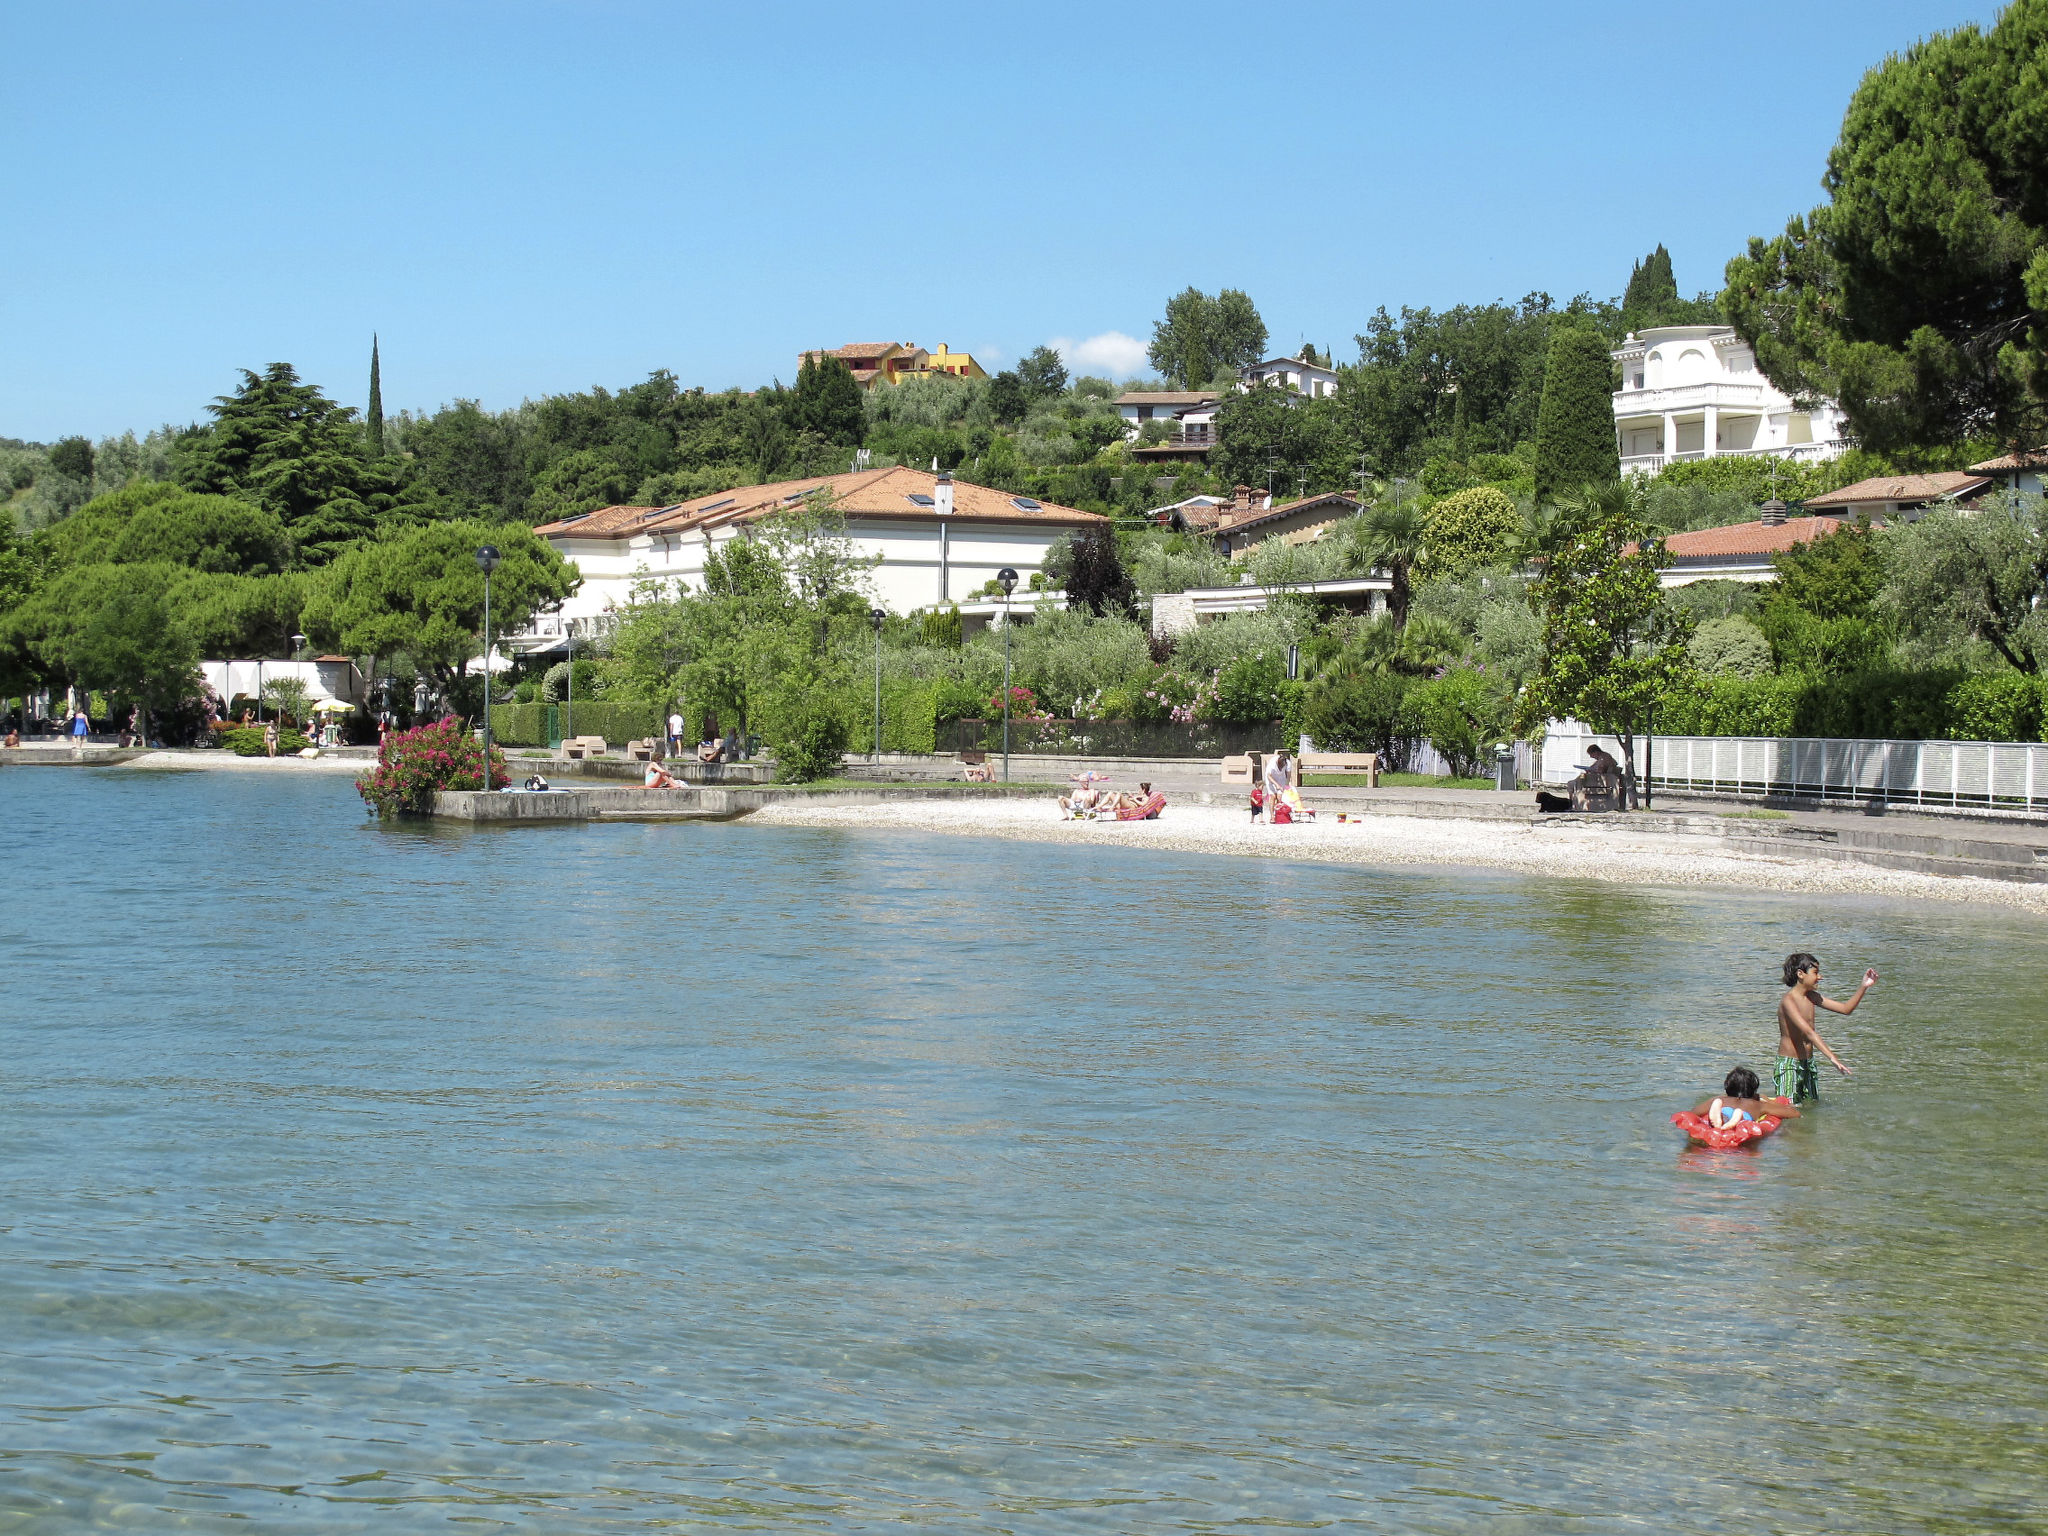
[
  {"x": 675, "y": 734},
  {"x": 270, "y": 738},
  {"x": 79, "y": 727}
]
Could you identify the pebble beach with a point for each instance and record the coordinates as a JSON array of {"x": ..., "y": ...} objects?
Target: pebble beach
[{"x": 1574, "y": 852}]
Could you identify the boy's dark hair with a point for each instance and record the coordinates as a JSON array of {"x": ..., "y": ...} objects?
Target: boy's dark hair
[
  {"x": 1794, "y": 964},
  {"x": 1740, "y": 1083}
]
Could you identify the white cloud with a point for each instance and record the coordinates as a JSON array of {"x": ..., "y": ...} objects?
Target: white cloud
[{"x": 1112, "y": 354}]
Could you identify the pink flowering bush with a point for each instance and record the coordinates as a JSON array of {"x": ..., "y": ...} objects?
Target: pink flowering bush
[
  {"x": 413, "y": 764},
  {"x": 1024, "y": 705}
]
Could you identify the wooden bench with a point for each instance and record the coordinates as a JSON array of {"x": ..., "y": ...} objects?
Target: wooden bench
[{"x": 1367, "y": 763}]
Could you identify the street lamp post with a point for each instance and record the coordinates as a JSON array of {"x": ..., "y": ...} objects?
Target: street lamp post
[
  {"x": 875, "y": 617},
  {"x": 1006, "y": 578},
  {"x": 487, "y": 562}
]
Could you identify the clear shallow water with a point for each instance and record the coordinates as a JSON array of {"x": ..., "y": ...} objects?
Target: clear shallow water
[{"x": 734, "y": 1178}]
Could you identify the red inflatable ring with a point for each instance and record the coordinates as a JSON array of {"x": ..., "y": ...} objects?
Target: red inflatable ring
[{"x": 1722, "y": 1138}]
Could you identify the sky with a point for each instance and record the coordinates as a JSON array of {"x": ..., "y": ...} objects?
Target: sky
[{"x": 524, "y": 198}]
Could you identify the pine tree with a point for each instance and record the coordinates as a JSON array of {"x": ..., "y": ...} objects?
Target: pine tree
[
  {"x": 1652, "y": 290},
  {"x": 373, "y": 420},
  {"x": 1575, "y": 444}
]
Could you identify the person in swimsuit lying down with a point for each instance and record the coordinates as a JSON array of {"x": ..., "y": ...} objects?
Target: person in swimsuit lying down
[
  {"x": 1796, "y": 1076},
  {"x": 1738, "y": 1101}
]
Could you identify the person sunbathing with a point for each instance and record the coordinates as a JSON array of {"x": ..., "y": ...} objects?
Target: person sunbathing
[{"x": 658, "y": 776}]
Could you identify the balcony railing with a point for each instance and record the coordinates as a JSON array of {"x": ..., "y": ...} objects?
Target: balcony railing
[
  {"x": 1650, "y": 463},
  {"x": 1689, "y": 397}
]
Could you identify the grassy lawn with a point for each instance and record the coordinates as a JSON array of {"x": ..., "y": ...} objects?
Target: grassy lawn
[
  {"x": 1392, "y": 781},
  {"x": 1754, "y": 815}
]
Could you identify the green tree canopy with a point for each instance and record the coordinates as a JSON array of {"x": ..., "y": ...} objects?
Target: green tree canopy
[
  {"x": 1651, "y": 297},
  {"x": 1917, "y": 296},
  {"x": 1471, "y": 528},
  {"x": 285, "y": 446},
  {"x": 1299, "y": 443},
  {"x": 1611, "y": 645},
  {"x": 420, "y": 592},
  {"x": 154, "y": 521},
  {"x": 1204, "y": 337},
  {"x": 826, "y": 401},
  {"x": 1042, "y": 374},
  {"x": 1575, "y": 445},
  {"x": 1954, "y": 576}
]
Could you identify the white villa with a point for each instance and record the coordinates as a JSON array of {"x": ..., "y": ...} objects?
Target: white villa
[
  {"x": 1694, "y": 392},
  {"x": 939, "y": 541},
  {"x": 1311, "y": 379}
]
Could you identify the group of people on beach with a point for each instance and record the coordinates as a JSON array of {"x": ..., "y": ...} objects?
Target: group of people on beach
[
  {"x": 1276, "y": 790},
  {"x": 1795, "y": 1075}
]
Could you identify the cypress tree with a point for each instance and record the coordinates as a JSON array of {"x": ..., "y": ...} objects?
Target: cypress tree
[
  {"x": 1652, "y": 293},
  {"x": 373, "y": 419},
  {"x": 1575, "y": 444}
]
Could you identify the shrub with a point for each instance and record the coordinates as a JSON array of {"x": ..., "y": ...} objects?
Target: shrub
[
  {"x": 1471, "y": 528},
  {"x": 1248, "y": 691},
  {"x": 1996, "y": 706},
  {"x": 1461, "y": 713},
  {"x": 1357, "y": 711},
  {"x": 247, "y": 741},
  {"x": 809, "y": 738},
  {"x": 1730, "y": 645},
  {"x": 414, "y": 764}
]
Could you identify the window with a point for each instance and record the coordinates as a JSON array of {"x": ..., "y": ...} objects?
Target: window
[
  {"x": 921, "y": 499},
  {"x": 1024, "y": 504}
]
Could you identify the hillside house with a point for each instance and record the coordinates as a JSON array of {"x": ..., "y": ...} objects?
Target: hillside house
[{"x": 1694, "y": 392}]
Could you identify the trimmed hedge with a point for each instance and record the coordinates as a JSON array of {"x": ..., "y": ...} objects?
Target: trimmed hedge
[
  {"x": 247, "y": 741},
  {"x": 1887, "y": 705},
  {"x": 526, "y": 725}
]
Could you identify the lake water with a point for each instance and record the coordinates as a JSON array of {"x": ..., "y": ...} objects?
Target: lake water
[{"x": 705, "y": 1178}]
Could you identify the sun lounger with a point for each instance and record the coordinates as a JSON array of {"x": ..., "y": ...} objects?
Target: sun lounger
[{"x": 1147, "y": 809}]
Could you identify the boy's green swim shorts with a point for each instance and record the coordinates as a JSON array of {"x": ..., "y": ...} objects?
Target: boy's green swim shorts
[{"x": 1797, "y": 1080}]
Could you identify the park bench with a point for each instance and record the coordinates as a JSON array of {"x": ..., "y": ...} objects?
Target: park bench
[
  {"x": 577, "y": 747},
  {"x": 1367, "y": 763}
]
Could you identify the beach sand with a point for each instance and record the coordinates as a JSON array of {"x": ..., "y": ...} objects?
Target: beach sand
[
  {"x": 194, "y": 762},
  {"x": 1572, "y": 851}
]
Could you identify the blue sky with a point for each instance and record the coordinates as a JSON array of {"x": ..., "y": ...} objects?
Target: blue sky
[{"x": 524, "y": 198}]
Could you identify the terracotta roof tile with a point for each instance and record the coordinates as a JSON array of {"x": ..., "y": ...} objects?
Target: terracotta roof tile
[
  {"x": 2036, "y": 458},
  {"x": 1748, "y": 538},
  {"x": 868, "y": 493},
  {"x": 1350, "y": 506},
  {"x": 1946, "y": 485}
]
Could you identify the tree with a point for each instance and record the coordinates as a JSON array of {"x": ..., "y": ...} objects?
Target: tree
[
  {"x": 1008, "y": 400},
  {"x": 1821, "y": 614},
  {"x": 1982, "y": 574},
  {"x": 580, "y": 482},
  {"x": 1271, "y": 439},
  {"x": 1917, "y": 296},
  {"x": 1575, "y": 445},
  {"x": 289, "y": 448},
  {"x": 1461, "y": 713},
  {"x": 1471, "y": 528},
  {"x": 1042, "y": 374},
  {"x": 1095, "y": 578},
  {"x": 421, "y": 592},
  {"x": 826, "y": 401},
  {"x": 1652, "y": 297},
  {"x": 1201, "y": 338},
  {"x": 1611, "y": 644},
  {"x": 73, "y": 456},
  {"x": 373, "y": 419},
  {"x": 111, "y": 627},
  {"x": 1392, "y": 534}
]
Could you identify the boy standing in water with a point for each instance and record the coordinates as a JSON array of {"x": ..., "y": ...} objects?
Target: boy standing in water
[{"x": 1796, "y": 1077}]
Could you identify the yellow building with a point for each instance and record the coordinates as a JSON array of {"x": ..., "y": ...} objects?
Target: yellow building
[{"x": 891, "y": 362}]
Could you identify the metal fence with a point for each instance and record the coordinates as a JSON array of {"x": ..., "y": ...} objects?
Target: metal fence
[
  {"x": 1950, "y": 775},
  {"x": 1112, "y": 738}
]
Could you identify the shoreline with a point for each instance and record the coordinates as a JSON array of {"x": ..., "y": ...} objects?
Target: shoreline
[
  {"x": 1615, "y": 855},
  {"x": 162, "y": 761}
]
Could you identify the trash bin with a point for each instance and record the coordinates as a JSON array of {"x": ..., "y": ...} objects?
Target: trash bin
[{"x": 1504, "y": 767}]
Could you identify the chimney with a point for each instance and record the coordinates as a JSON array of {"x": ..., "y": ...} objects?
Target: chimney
[
  {"x": 1773, "y": 513},
  {"x": 942, "y": 494},
  {"x": 1241, "y": 499}
]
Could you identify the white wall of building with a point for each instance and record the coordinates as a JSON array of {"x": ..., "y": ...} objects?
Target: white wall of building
[
  {"x": 1694, "y": 392},
  {"x": 924, "y": 562}
]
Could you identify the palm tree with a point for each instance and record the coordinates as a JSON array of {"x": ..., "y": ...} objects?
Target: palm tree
[{"x": 1387, "y": 536}]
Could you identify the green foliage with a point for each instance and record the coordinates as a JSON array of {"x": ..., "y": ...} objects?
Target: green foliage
[
  {"x": 1042, "y": 373},
  {"x": 1353, "y": 708},
  {"x": 72, "y": 456},
  {"x": 151, "y": 521},
  {"x": 1730, "y": 645},
  {"x": 110, "y": 627},
  {"x": 1249, "y": 690},
  {"x": 807, "y": 730},
  {"x": 420, "y": 592},
  {"x": 413, "y": 765},
  {"x": 579, "y": 679},
  {"x": 1575, "y": 445},
  {"x": 1095, "y": 578},
  {"x": 617, "y": 721},
  {"x": 1952, "y": 577},
  {"x": 1300, "y": 443},
  {"x": 826, "y": 401},
  {"x": 1202, "y": 338},
  {"x": 1611, "y": 645},
  {"x": 247, "y": 741},
  {"x": 287, "y": 696},
  {"x": 941, "y": 627},
  {"x": 1914, "y": 295},
  {"x": 293, "y": 451},
  {"x": 1461, "y": 713},
  {"x": 373, "y": 417},
  {"x": 580, "y": 482},
  {"x": 1881, "y": 704},
  {"x": 1393, "y": 533},
  {"x": 1997, "y": 706},
  {"x": 1652, "y": 297},
  {"x": 1469, "y": 529}
]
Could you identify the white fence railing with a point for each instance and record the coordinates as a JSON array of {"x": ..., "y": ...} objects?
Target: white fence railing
[{"x": 1952, "y": 775}]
